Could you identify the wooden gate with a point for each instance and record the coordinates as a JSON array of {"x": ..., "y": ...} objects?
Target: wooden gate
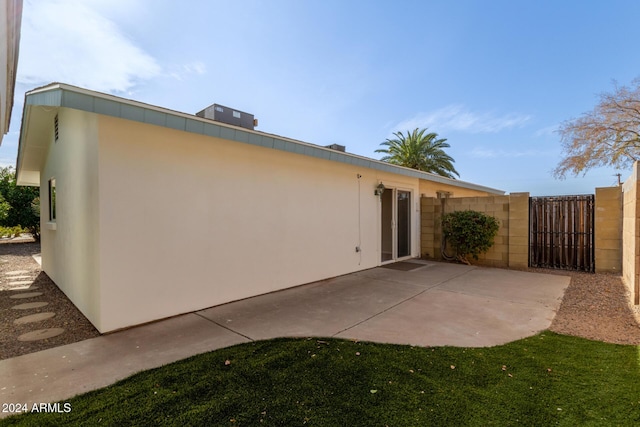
[{"x": 561, "y": 232}]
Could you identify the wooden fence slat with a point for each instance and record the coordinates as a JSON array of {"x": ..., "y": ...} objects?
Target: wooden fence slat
[{"x": 561, "y": 232}]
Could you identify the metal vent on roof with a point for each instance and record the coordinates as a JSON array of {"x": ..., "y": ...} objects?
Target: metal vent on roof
[
  {"x": 336, "y": 147},
  {"x": 227, "y": 115}
]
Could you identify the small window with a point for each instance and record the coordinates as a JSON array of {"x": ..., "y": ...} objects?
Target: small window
[
  {"x": 219, "y": 109},
  {"x": 52, "y": 200},
  {"x": 236, "y": 114}
]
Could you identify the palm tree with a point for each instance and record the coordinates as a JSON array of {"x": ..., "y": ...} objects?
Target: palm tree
[{"x": 417, "y": 150}]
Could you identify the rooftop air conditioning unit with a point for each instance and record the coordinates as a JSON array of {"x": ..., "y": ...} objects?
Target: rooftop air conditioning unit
[{"x": 227, "y": 115}]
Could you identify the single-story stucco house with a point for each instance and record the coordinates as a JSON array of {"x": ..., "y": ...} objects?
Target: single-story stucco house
[{"x": 148, "y": 213}]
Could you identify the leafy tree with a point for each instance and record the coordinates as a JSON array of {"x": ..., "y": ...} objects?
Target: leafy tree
[
  {"x": 421, "y": 151},
  {"x": 4, "y": 209},
  {"x": 469, "y": 232},
  {"x": 607, "y": 136},
  {"x": 20, "y": 200}
]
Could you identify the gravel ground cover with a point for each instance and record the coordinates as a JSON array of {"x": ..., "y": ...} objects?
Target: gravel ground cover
[
  {"x": 595, "y": 306},
  {"x": 17, "y": 256}
]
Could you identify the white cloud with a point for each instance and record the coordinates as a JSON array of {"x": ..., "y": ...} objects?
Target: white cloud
[
  {"x": 459, "y": 118},
  {"x": 69, "y": 41},
  {"x": 196, "y": 67},
  {"x": 181, "y": 71}
]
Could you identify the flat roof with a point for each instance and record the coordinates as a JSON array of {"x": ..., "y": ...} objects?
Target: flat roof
[{"x": 64, "y": 95}]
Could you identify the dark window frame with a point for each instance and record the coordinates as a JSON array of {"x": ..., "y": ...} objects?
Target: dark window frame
[{"x": 52, "y": 200}]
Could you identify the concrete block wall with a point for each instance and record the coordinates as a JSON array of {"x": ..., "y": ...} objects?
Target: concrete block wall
[
  {"x": 631, "y": 235},
  {"x": 519, "y": 230},
  {"x": 427, "y": 226},
  {"x": 613, "y": 235},
  {"x": 608, "y": 230},
  {"x": 500, "y": 207}
]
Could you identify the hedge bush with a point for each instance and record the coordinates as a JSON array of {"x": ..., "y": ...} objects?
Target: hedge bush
[
  {"x": 12, "y": 231},
  {"x": 469, "y": 233}
]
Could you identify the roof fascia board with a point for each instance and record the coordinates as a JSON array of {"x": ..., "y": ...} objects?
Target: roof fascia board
[
  {"x": 62, "y": 95},
  {"x": 12, "y": 14}
]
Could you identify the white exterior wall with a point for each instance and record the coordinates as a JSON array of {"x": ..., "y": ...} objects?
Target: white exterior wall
[
  {"x": 69, "y": 252},
  {"x": 189, "y": 221}
]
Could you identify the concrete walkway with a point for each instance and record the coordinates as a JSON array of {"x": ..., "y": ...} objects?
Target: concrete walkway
[{"x": 432, "y": 305}]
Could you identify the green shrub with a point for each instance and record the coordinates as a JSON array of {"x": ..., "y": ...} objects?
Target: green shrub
[
  {"x": 5, "y": 207},
  {"x": 12, "y": 231},
  {"x": 17, "y": 231},
  {"x": 469, "y": 233}
]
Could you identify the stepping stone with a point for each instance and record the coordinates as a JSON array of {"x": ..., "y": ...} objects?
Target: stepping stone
[
  {"x": 38, "y": 317},
  {"x": 16, "y": 272},
  {"x": 41, "y": 334},
  {"x": 26, "y": 295},
  {"x": 21, "y": 282},
  {"x": 29, "y": 305},
  {"x": 23, "y": 287}
]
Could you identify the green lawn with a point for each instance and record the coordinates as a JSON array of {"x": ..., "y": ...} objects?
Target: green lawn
[{"x": 547, "y": 379}]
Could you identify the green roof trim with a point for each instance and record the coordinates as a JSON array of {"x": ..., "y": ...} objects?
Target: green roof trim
[{"x": 62, "y": 95}]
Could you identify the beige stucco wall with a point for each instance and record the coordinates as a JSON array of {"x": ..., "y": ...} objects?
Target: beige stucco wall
[
  {"x": 189, "y": 221},
  {"x": 631, "y": 235},
  {"x": 70, "y": 251}
]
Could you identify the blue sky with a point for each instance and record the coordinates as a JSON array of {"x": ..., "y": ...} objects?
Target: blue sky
[{"x": 495, "y": 78}]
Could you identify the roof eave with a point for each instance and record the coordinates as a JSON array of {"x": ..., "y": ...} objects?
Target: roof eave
[{"x": 13, "y": 11}]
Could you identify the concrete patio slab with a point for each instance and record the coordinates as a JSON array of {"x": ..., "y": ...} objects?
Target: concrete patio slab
[
  {"x": 511, "y": 285},
  {"x": 431, "y": 275},
  {"x": 441, "y": 317},
  {"x": 439, "y": 304},
  {"x": 324, "y": 309}
]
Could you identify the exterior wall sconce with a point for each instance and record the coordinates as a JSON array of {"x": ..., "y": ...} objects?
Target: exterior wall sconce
[{"x": 379, "y": 190}]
